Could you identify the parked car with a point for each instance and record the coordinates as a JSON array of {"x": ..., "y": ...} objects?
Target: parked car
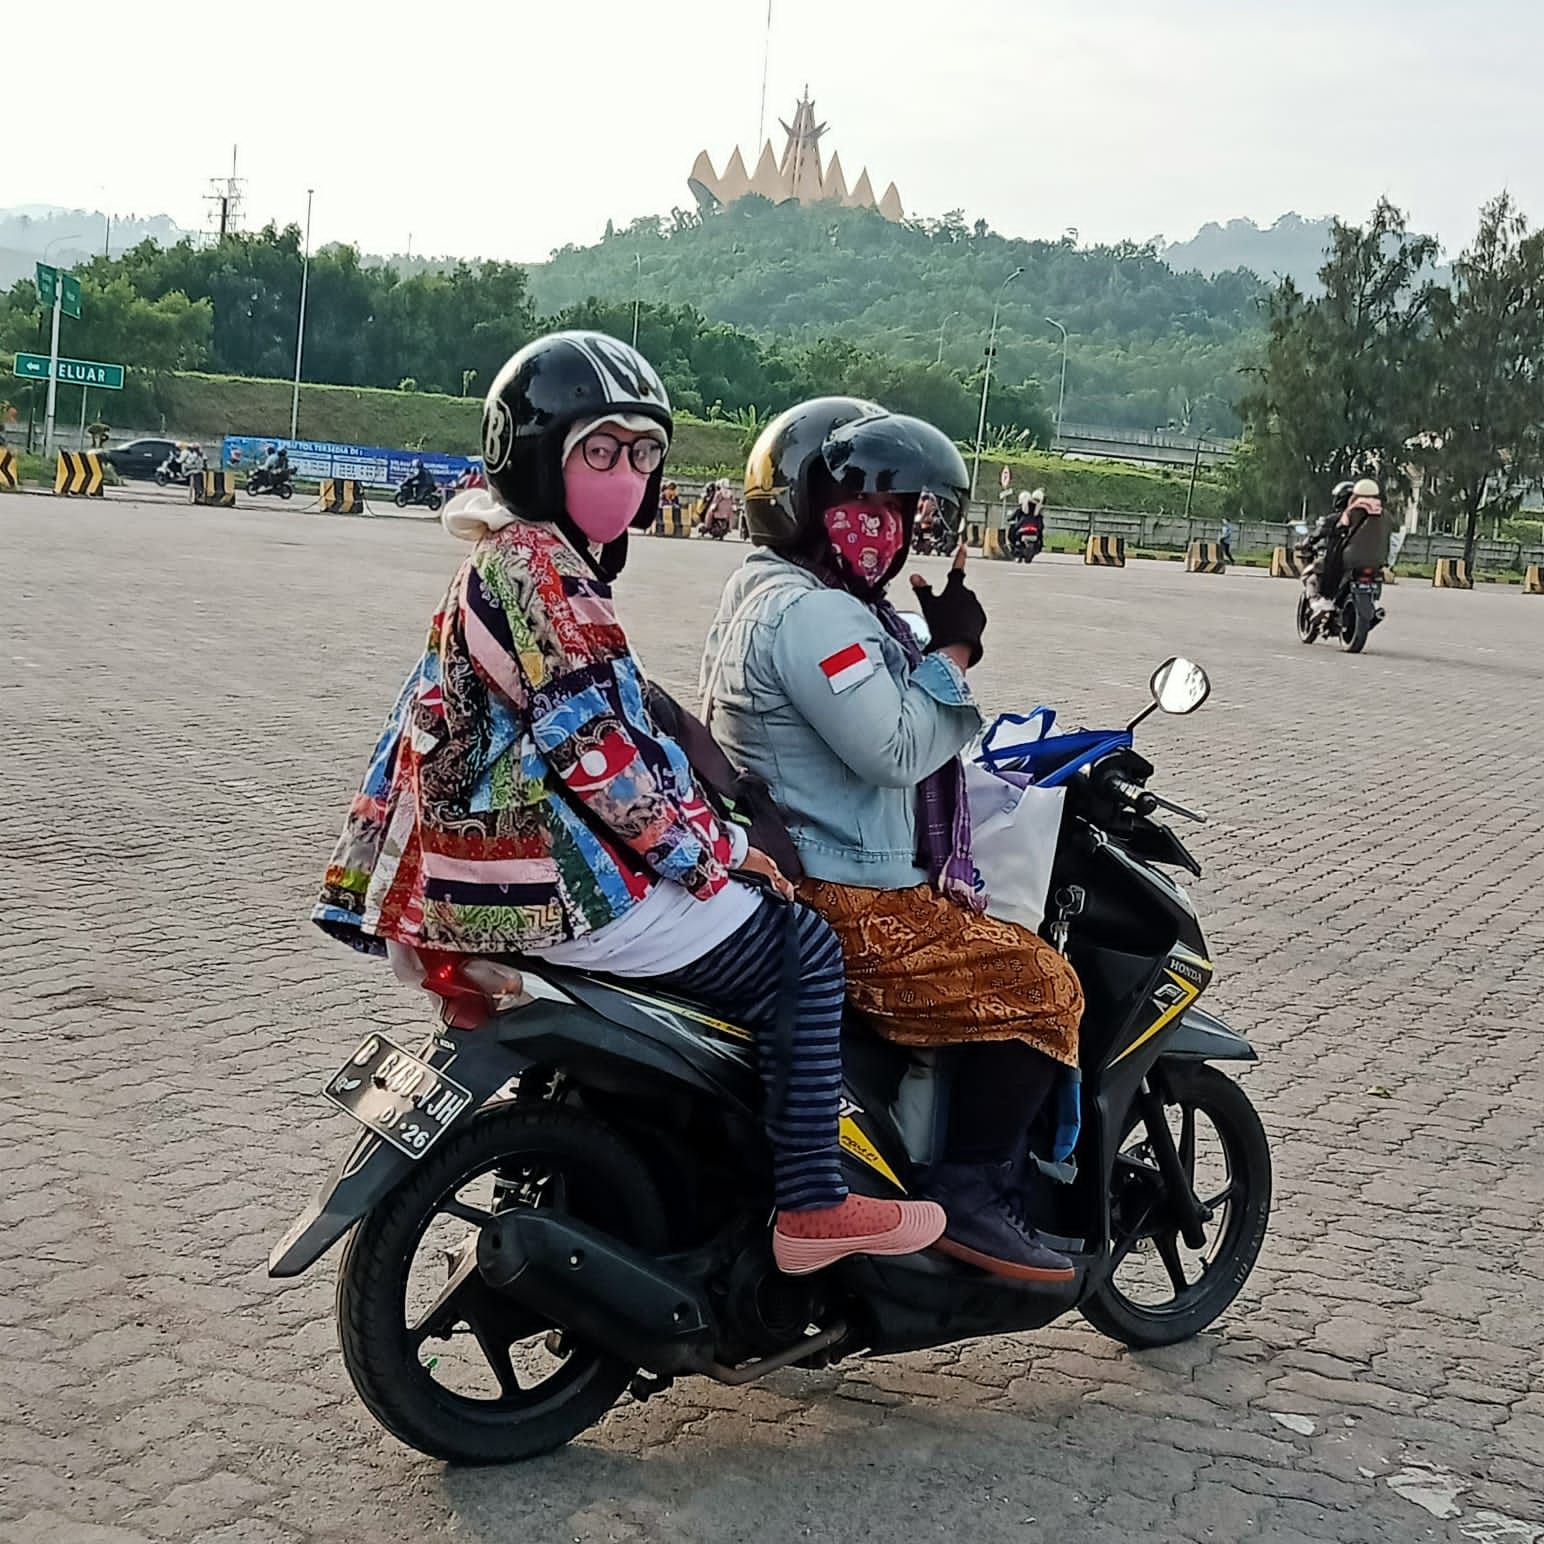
[{"x": 139, "y": 458}]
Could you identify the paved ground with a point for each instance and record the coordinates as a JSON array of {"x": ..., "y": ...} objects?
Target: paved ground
[{"x": 185, "y": 700}]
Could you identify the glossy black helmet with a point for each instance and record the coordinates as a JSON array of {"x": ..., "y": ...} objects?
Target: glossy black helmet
[
  {"x": 540, "y": 394},
  {"x": 1340, "y": 496},
  {"x": 778, "y": 510}
]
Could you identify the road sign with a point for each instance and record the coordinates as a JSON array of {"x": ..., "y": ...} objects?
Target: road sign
[
  {"x": 1007, "y": 478},
  {"x": 72, "y": 372},
  {"x": 69, "y": 302}
]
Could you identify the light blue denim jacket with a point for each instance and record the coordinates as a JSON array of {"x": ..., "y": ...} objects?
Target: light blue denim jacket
[{"x": 841, "y": 734}]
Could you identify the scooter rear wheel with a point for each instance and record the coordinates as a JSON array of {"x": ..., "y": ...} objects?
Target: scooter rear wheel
[
  {"x": 442, "y": 1361},
  {"x": 1159, "y": 1291}
]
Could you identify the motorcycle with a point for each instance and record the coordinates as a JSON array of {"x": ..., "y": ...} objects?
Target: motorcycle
[
  {"x": 1026, "y": 538},
  {"x": 280, "y": 482},
  {"x": 169, "y": 472},
  {"x": 563, "y": 1194},
  {"x": 428, "y": 493},
  {"x": 1355, "y": 613}
]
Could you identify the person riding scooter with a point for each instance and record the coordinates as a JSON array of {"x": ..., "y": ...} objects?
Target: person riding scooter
[
  {"x": 1026, "y": 529},
  {"x": 818, "y": 687},
  {"x": 419, "y": 482},
  {"x": 717, "y": 510},
  {"x": 1355, "y": 524}
]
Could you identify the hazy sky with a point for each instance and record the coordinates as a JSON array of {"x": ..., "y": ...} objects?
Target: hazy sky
[{"x": 506, "y": 127}]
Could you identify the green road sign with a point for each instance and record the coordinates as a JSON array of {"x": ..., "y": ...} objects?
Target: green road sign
[
  {"x": 69, "y": 303},
  {"x": 72, "y": 372}
]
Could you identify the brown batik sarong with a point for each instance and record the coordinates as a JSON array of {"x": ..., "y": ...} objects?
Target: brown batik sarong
[{"x": 926, "y": 971}]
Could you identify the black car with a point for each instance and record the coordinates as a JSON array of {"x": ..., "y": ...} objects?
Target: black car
[{"x": 139, "y": 458}]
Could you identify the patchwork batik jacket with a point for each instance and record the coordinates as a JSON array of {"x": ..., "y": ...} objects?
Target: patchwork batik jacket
[{"x": 519, "y": 794}]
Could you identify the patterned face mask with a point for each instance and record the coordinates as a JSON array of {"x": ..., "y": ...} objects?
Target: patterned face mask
[{"x": 866, "y": 537}]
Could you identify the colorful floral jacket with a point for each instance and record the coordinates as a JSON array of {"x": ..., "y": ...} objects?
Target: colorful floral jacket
[{"x": 519, "y": 794}]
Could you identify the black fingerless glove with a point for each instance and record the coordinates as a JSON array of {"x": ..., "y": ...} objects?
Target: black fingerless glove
[{"x": 955, "y": 616}]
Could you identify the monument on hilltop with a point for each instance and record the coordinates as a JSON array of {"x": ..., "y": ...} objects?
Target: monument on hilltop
[{"x": 797, "y": 175}]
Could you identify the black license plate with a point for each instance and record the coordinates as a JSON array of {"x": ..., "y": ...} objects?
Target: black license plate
[{"x": 399, "y": 1096}]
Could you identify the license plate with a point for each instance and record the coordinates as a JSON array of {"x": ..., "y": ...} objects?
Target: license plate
[{"x": 399, "y": 1096}]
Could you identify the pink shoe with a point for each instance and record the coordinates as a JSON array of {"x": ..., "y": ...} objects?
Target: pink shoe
[{"x": 809, "y": 1241}]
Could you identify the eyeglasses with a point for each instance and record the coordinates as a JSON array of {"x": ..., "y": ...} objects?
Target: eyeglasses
[{"x": 602, "y": 450}]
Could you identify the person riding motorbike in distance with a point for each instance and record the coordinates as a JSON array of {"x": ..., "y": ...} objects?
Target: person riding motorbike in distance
[
  {"x": 1026, "y": 529},
  {"x": 523, "y": 801},
  {"x": 817, "y": 685},
  {"x": 1354, "y": 524}
]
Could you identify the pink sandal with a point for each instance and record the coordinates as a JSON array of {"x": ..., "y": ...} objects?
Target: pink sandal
[{"x": 809, "y": 1241}]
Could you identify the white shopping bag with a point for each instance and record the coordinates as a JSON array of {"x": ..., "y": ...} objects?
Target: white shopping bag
[{"x": 1013, "y": 834}]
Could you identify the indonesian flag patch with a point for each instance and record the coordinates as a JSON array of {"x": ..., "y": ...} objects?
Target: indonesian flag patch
[{"x": 847, "y": 668}]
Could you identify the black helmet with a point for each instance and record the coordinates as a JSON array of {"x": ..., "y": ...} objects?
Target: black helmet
[
  {"x": 539, "y": 395},
  {"x": 1340, "y": 496},
  {"x": 777, "y": 489}
]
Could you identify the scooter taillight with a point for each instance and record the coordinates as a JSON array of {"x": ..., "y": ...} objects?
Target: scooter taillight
[{"x": 463, "y": 1004}]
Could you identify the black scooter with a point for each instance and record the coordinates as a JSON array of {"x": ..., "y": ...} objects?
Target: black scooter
[
  {"x": 566, "y": 1197},
  {"x": 280, "y": 482},
  {"x": 1356, "y": 611},
  {"x": 425, "y": 492}
]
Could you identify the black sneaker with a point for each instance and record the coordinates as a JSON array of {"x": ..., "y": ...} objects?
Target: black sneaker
[{"x": 985, "y": 1229}]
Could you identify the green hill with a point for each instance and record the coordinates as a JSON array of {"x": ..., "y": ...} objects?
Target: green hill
[{"x": 1148, "y": 346}]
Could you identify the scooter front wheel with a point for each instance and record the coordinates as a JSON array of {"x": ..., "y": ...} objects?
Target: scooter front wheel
[
  {"x": 1158, "y": 1290},
  {"x": 445, "y": 1363},
  {"x": 1306, "y": 629}
]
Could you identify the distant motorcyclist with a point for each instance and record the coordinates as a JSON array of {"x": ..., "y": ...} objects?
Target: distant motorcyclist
[
  {"x": 192, "y": 461},
  {"x": 270, "y": 461},
  {"x": 1352, "y": 507},
  {"x": 420, "y": 480},
  {"x": 1026, "y": 529},
  {"x": 718, "y": 509}
]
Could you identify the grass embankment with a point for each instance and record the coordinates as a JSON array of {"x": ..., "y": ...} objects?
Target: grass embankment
[{"x": 207, "y": 407}]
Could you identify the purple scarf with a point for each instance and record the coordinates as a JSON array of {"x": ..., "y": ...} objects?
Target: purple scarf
[{"x": 943, "y": 808}]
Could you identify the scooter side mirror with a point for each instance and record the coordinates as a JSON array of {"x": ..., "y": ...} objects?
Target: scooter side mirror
[
  {"x": 1179, "y": 686},
  {"x": 916, "y": 625}
]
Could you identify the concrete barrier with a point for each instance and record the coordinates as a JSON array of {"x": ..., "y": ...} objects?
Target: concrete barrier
[
  {"x": 1205, "y": 557},
  {"x": 1452, "y": 574},
  {"x": 675, "y": 522},
  {"x": 213, "y": 488},
  {"x": 1105, "y": 552},
  {"x": 78, "y": 475},
  {"x": 10, "y": 472},
  {"x": 994, "y": 544},
  {"x": 341, "y": 496},
  {"x": 1533, "y": 580},
  {"x": 1285, "y": 564}
]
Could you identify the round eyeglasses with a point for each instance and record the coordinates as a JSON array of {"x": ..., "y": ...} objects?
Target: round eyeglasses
[{"x": 602, "y": 450}]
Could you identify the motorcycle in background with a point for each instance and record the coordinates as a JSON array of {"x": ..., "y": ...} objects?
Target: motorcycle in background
[{"x": 427, "y": 493}]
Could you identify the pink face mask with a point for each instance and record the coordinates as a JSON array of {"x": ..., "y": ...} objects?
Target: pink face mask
[
  {"x": 602, "y": 504},
  {"x": 866, "y": 538}
]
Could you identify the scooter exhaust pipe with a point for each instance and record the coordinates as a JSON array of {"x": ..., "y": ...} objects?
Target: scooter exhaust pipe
[{"x": 598, "y": 1289}]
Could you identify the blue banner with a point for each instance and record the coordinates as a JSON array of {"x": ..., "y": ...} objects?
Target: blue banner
[{"x": 373, "y": 465}]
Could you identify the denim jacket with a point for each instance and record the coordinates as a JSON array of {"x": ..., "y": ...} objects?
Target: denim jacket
[{"x": 810, "y": 693}]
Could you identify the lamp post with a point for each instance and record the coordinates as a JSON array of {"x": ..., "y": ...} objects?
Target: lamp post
[
  {"x": 300, "y": 330},
  {"x": 949, "y": 318},
  {"x": 637, "y": 294},
  {"x": 1061, "y": 396},
  {"x": 986, "y": 379}
]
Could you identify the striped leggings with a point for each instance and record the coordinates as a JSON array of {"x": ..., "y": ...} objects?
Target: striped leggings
[{"x": 743, "y": 979}]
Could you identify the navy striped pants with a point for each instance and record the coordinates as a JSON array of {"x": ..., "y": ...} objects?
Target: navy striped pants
[{"x": 743, "y": 980}]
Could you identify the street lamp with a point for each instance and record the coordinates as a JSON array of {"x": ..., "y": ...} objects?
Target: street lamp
[
  {"x": 986, "y": 379},
  {"x": 300, "y": 329},
  {"x": 949, "y": 318},
  {"x": 1061, "y": 396},
  {"x": 637, "y": 293}
]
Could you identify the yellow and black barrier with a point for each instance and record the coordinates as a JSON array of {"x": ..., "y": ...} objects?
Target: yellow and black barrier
[
  {"x": 1452, "y": 574},
  {"x": 1205, "y": 557},
  {"x": 1105, "y": 552},
  {"x": 79, "y": 474},
  {"x": 341, "y": 496},
  {"x": 974, "y": 535},
  {"x": 1533, "y": 580},
  {"x": 216, "y": 488},
  {"x": 1285, "y": 563},
  {"x": 994, "y": 544},
  {"x": 675, "y": 521},
  {"x": 10, "y": 475}
]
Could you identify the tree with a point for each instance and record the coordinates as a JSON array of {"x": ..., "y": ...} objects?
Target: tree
[
  {"x": 1343, "y": 387},
  {"x": 1486, "y": 446}
]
